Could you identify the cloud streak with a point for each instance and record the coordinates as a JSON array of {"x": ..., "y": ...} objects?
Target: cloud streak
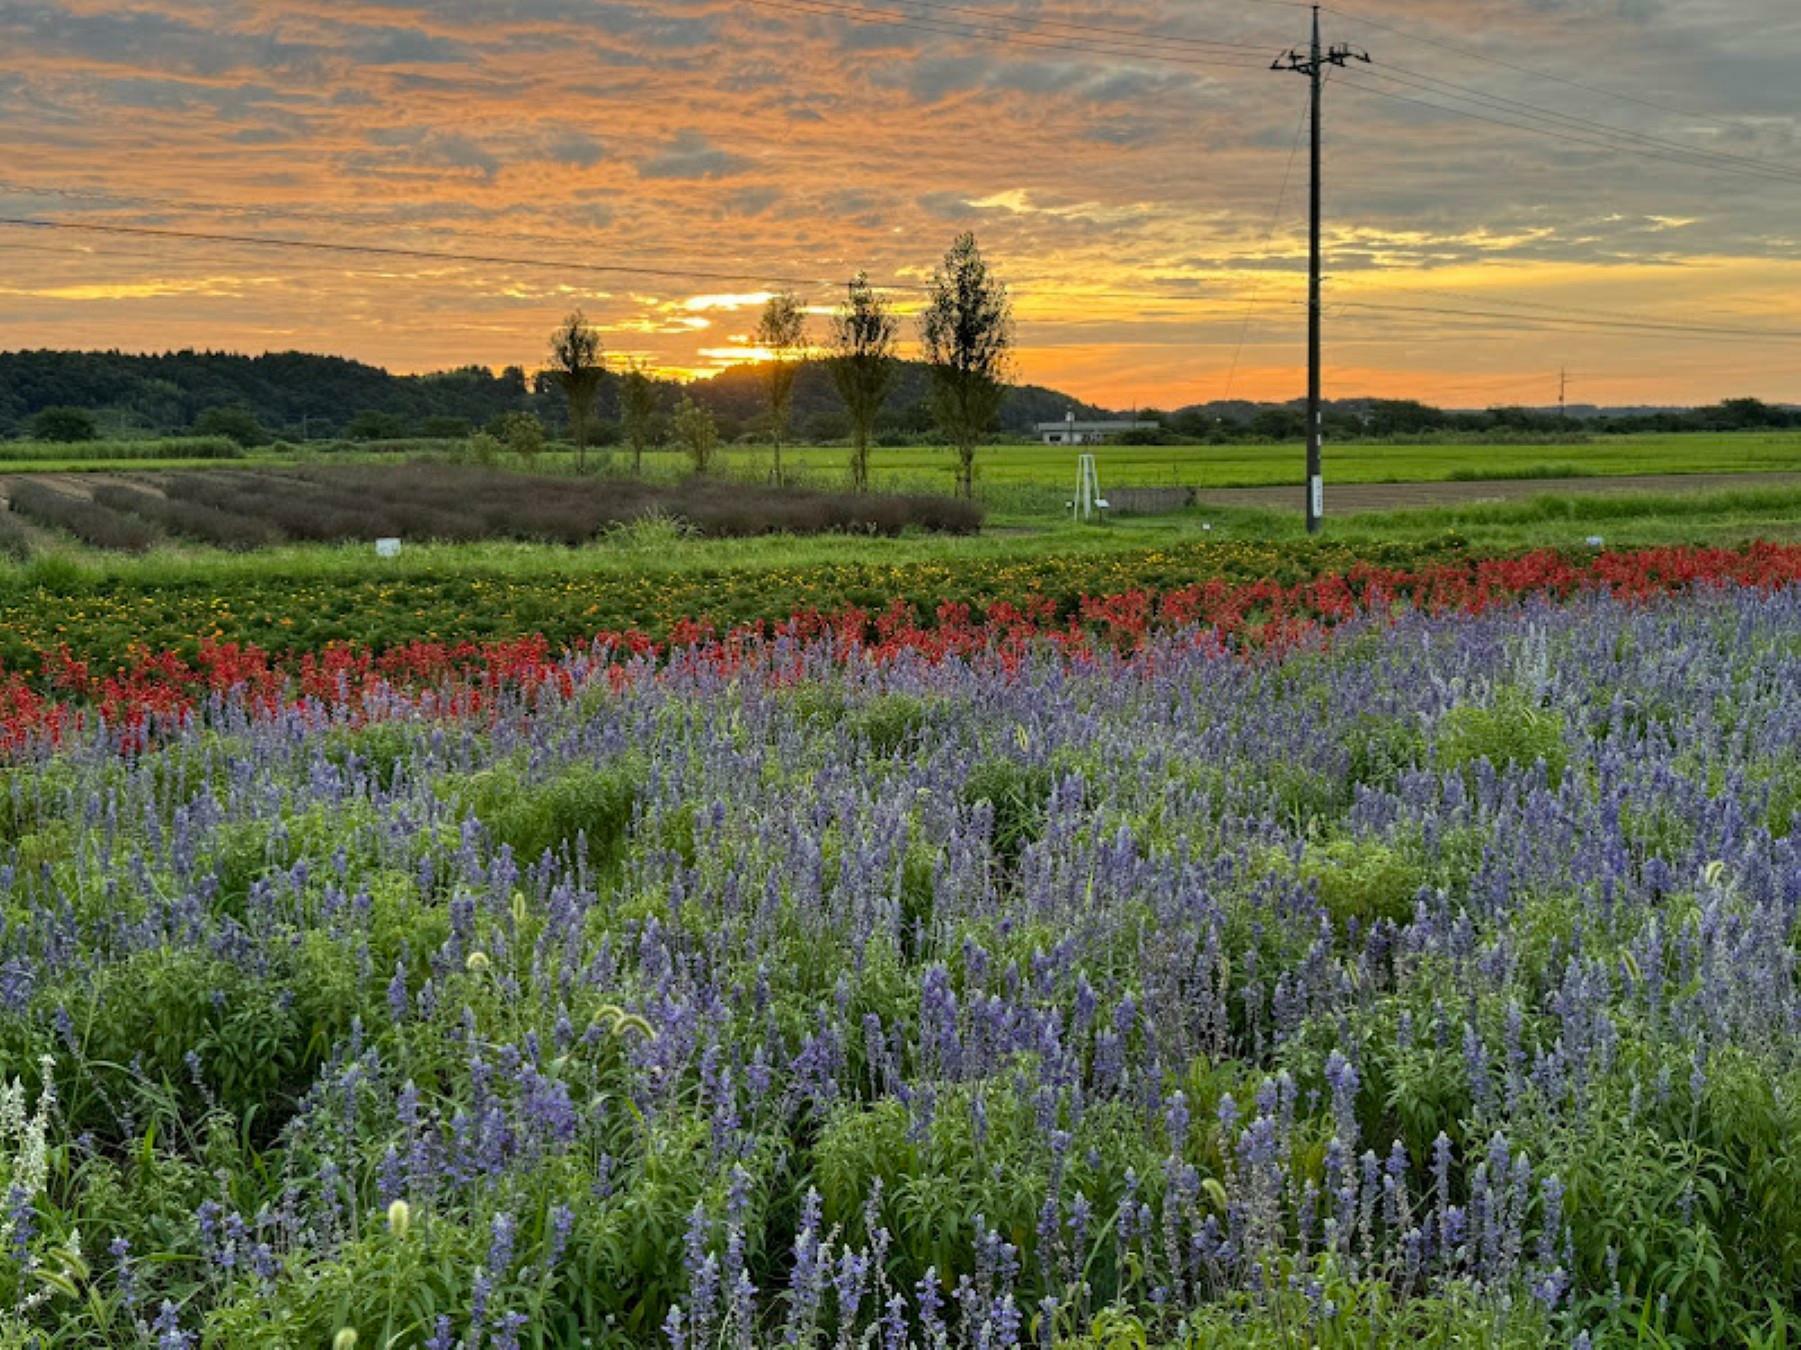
[{"x": 1130, "y": 200}]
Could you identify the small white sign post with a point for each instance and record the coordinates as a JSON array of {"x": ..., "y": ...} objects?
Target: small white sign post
[
  {"x": 1089, "y": 503},
  {"x": 387, "y": 548}
]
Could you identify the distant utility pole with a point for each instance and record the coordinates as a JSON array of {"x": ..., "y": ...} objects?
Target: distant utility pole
[
  {"x": 1313, "y": 66},
  {"x": 1563, "y": 394}
]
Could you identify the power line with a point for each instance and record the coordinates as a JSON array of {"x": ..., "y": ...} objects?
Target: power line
[
  {"x": 1587, "y": 123},
  {"x": 433, "y": 255},
  {"x": 552, "y": 264},
  {"x": 1615, "y": 325},
  {"x": 1581, "y": 312},
  {"x": 84, "y": 251},
  {"x": 1590, "y": 142},
  {"x": 1269, "y": 234},
  {"x": 1035, "y": 23},
  {"x": 1567, "y": 315},
  {"x": 1136, "y": 44},
  {"x": 1013, "y": 37},
  {"x": 118, "y": 201},
  {"x": 1565, "y": 127},
  {"x": 1474, "y": 55}
]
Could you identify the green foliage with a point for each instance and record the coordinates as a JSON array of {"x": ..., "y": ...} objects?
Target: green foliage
[
  {"x": 862, "y": 365},
  {"x": 49, "y": 455},
  {"x": 445, "y": 428},
  {"x": 1784, "y": 778},
  {"x": 64, "y": 425},
  {"x": 595, "y": 803},
  {"x": 638, "y": 405},
  {"x": 966, "y": 333},
  {"x": 1381, "y": 748},
  {"x": 1364, "y": 1315},
  {"x": 782, "y": 333},
  {"x": 290, "y": 600},
  {"x": 485, "y": 449},
  {"x": 1018, "y": 794},
  {"x": 236, "y": 424},
  {"x": 889, "y": 723},
  {"x": 521, "y": 433},
  {"x": 976, "y": 1159},
  {"x": 256, "y": 1045},
  {"x": 696, "y": 434},
  {"x": 1362, "y": 880},
  {"x": 371, "y": 424},
  {"x": 376, "y": 750},
  {"x": 1511, "y": 729}
]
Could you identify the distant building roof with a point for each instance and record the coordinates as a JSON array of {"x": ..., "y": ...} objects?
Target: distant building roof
[{"x": 1071, "y": 425}]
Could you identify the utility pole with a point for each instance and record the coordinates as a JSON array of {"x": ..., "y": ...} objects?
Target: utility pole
[
  {"x": 1313, "y": 66},
  {"x": 1563, "y": 394}
]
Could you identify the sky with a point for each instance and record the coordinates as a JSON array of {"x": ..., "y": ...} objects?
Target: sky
[{"x": 1136, "y": 172}]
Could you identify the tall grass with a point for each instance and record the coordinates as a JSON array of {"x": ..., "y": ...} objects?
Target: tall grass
[
  {"x": 173, "y": 447},
  {"x": 1516, "y": 472}
]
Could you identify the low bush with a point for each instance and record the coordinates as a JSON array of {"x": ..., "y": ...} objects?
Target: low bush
[
  {"x": 1017, "y": 794},
  {"x": 1361, "y": 881},
  {"x": 594, "y": 804},
  {"x": 1510, "y": 729},
  {"x": 889, "y": 723},
  {"x": 1382, "y": 748}
]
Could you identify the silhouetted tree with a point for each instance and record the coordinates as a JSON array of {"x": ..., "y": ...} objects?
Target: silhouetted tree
[
  {"x": 782, "y": 333},
  {"x": 967, "y": 334},
  {"x": 863, "y": 333},
  {"x": 576, "y": 363}
]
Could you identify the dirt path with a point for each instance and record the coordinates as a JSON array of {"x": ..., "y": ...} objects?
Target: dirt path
[{"x": 1351, "y": 498}]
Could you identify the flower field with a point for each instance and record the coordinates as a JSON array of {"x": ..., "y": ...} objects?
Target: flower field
[
  {"x": 104, "y": 618},
  {"x": 1403, "y": 953}
]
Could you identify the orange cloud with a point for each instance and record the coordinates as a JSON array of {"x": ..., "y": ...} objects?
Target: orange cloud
[{"x": 725, "y": 151}]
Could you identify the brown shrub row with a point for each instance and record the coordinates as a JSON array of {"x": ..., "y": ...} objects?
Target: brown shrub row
[
  {"x": 193, "y": 520},
  {"x": 15, "y": 540},
  {"x": 457, "y": 502},
  {"x": 88, "y": 521}
]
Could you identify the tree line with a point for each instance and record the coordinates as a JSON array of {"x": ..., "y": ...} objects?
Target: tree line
[
  {"x": 1391, "y": 419},
  {"x": 965, "y": 336},
  {"x": 853, "y": 383}
]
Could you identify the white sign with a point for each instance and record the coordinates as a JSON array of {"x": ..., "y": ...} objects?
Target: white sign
[
  {"x": 1319, "y": 495},
  {"x": 387, "y": 548}
]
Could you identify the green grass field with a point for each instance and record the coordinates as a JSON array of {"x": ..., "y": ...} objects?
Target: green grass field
[
  {"x": 1223, "y": 466},
  {"x": 1002, "y": 471}
]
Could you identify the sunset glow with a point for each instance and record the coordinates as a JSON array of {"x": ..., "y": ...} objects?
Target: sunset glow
[{"x": 712, "y": 153}]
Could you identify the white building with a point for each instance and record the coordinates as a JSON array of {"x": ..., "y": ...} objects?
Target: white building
[{"x": 1071, "y": 432}]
